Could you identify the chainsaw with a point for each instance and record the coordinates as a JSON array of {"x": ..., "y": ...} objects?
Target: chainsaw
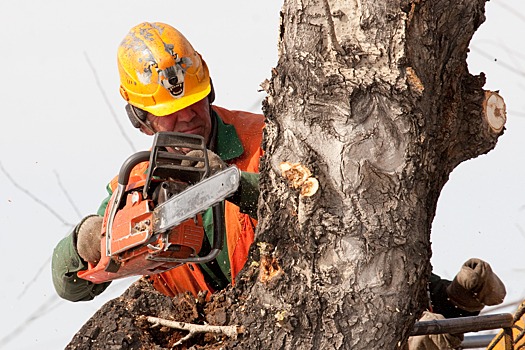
[{"x": 153, "y": 223}]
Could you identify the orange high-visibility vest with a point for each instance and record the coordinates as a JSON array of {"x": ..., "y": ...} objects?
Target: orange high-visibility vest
[{"x": 240, "y": 228}]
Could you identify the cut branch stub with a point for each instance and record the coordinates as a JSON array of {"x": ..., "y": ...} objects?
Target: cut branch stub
[
  {"x": 299, "y": 176},
  {"x": 494, "y": 111}
]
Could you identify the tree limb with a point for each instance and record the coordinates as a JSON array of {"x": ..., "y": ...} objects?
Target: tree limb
[
  {"x": 193, "y": 329},
  {"x": 35, "y": 198}
]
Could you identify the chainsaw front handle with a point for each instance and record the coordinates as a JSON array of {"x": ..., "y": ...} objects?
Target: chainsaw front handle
[{"x": 162, "y": 162}]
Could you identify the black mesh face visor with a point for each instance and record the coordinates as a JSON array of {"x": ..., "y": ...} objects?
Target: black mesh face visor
[{"x": 137, "y": 116}]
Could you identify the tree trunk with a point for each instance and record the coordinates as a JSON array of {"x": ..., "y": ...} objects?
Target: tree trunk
[
  {"x": 373, "y": 102},
  {"x": 374, "y": 98}
]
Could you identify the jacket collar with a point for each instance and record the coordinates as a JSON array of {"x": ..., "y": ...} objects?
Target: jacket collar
[{"x": 228, "y": 144}]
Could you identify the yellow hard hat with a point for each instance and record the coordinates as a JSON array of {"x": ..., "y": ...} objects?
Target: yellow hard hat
[{"x": 160, "y": 72}]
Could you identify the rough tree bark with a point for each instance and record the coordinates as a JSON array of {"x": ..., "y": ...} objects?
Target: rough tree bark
[{"x": 375, "y": 100}]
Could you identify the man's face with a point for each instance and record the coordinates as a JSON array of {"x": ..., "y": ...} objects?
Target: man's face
[{"x": 194, "y": 119}]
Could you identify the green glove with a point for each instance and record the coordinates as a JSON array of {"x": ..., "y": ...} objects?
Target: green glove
[
  {"x": 88, "y": 238},
  {"x": 475, "y": 286},
  {"x": 215, "y": 162}
]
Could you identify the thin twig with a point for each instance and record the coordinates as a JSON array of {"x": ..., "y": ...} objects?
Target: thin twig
[
  {"x": 106, "y": 100},
  {"x": 43, "y": 267},
  {"x": 193, "y": 329},
  {"x": 33, "y": 197},
  {"x": 66, "y": 193},
  {"x": 511, "y": 10},
  {"x": 491, "y": 57},
  {"x": 256, "y": 106},
  {"x": 50, "y": 304},
  {"x": 520, "y": 229}
]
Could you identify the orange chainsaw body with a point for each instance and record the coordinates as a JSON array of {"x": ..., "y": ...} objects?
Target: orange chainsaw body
[
  {"x": 153, "y": 223},
  {"x": 136, "y": 249}
]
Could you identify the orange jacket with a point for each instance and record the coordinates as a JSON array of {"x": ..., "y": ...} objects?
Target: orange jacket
[{"x": 239, "y": 143}]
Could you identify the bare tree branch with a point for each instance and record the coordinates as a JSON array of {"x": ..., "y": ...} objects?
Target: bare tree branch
[
  {"x": 45, "y": 265},
  {"x": 193, "y": 329},
  {"x": 520, "y": 229},
  {"x": 511, "y": 10},
  {"x": 106, "y": 100},
  {"x": 69, "y": 199},
  {"x": 45, "y": 308},
  {"x": 507, "y": 66},
  {"x": 35, "y": 198}
]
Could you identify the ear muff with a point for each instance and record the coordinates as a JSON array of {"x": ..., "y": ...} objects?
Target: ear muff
[
  {"x": 136, "y": 116},
  {"x": 211, "y": 95}
]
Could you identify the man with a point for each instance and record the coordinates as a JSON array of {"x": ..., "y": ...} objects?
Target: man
[
  {"x": 474, "y": 287},
  {"x": 167, "y": 86}
]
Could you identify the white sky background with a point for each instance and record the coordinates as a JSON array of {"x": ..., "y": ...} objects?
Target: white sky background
[{"x": 60, "y": 141}]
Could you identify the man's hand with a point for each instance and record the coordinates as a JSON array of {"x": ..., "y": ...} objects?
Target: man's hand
[
  {"x": 475, "y": 286},
  {"x": 88, "y": 238},
  {"x": 434, "y": 341},
  {"x": 215, "y": 162}
]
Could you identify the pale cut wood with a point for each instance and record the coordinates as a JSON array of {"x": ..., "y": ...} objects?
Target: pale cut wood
[{"x": 494, "y": 110}]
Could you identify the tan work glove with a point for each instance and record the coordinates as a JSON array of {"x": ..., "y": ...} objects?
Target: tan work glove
[
  {"x": 88, "y": 238},
  {"x": 434, "y": 341},
  {"x": 215, "y": 162},
  {"x": 475, "y": 286}
]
